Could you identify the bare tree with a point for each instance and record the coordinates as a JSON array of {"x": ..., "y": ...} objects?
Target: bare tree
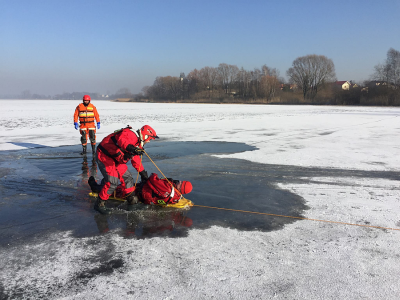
[
  {"x": 193, "y": 82},
  {"x": 145, "y": 90},
  {"x": 208, "y": 78},
  {"x": 256, "y": 76},
  {"x": 223, "y": 70},
  {"x": 268, "y": 82},
  {"x": 233, "y": 73},
  {"x": 311, "y": 72},
  {"x": 268, "y": 86},
  {"x": 381, "y": 73},
  {"x": 390, "y": 70},
  {"x": 172, "y": 87},
  {"x": 244, "y": 79},
  {"x": 167, "y": 87},
  {"x": 393, "y": 65}
]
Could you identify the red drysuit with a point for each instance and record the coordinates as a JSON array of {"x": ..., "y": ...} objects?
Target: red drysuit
[
  {"x": 155, "y": 190},
  {"x": 112, "y": 157}
]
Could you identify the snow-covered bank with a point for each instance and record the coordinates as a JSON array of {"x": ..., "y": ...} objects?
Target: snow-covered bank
[{"x": 304, "y": 260}]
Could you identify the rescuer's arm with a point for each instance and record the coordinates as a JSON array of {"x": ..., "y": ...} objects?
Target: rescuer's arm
[
  {"x": 134, "y": 150},
  {"x": 76, "y": 117},
  {"x": 137, "y": 163},
  {"x": 96, "y": 115}
]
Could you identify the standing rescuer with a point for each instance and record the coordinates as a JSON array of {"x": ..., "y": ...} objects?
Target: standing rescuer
[
  {"x": 87, "y": 113},
  {"x": 113, "y": 153}
]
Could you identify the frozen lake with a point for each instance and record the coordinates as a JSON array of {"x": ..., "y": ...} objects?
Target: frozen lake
[{"x": 328, "y": 163}]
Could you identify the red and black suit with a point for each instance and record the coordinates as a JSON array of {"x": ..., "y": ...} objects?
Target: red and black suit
[
  {"x": 159, "y": 191},
  {"x": 112, "y": 156}
]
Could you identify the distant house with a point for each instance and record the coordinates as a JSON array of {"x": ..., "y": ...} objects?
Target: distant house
[
  {"x": 344, "y": 85},
  {"x": 375, "y": 83},
  {"x": 379, "y": 84}
]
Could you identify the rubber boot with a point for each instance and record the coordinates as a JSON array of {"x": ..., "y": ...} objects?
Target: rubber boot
[
  {"x": 93, "y": 185},
  {"x": 132, "y": 201},
  {"x": 83, "y": 150},
  {"x": 100, "y": 206},
  {"x": 93, "y": 149}
]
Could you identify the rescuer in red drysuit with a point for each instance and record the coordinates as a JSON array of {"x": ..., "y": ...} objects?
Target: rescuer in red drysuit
[
  {"x": 162, "y": 191},
  {"x": 87, "y": 114},
  {"x": 114, "y": 151}
]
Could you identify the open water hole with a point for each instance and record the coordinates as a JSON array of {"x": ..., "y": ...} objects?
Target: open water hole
[{"x": 44, "y": 190}]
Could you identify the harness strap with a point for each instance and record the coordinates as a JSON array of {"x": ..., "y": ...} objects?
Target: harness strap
[
  {"x": 108, "y": 153},
  {"x": 83, "y": 122},
  {"x": 115, "y": 141}
]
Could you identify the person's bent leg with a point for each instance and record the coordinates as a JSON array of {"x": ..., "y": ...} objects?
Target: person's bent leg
[
  {"x": 126, "y": 179},
  {"x": 110, "y": 180},
  {"x": 109, "y": 183},
  {"x": 128, "y": 186}
]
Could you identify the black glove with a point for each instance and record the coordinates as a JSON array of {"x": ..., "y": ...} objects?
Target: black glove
[
  {"x": 127, "y": 156},
  {"x": 143, "y": 176},
  {"x": 134, "y": 150}
]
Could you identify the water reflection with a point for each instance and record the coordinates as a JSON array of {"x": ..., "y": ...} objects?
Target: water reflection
[
  {"x": 88, "y": 169},
  {"x": 146, "y": 222}
]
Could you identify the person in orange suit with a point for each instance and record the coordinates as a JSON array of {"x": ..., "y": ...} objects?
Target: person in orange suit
[{"x": 87, "y": 114}]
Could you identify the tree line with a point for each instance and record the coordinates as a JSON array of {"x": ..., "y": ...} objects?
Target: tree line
[
  {"x": 311, "y": 80},
  {"x": 26, "y": 94}
]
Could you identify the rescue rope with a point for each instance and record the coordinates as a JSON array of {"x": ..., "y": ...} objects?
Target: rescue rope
[
  {"x": 300, "y": 218},
  {"x": 273, "y": 215},
  {"x": 179, "y": 193}
]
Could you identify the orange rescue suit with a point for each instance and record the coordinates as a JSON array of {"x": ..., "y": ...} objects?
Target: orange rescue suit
[{"x": 86, "y": 115}]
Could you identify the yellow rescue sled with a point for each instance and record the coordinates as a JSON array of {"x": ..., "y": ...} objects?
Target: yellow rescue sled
[{"x": 183, "y": 202}]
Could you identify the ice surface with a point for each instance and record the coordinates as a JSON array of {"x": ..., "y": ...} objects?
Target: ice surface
[{"x": 343, "y": 161}]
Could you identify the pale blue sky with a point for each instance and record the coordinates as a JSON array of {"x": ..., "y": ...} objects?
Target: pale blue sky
[{"x": 55, "y": 46}]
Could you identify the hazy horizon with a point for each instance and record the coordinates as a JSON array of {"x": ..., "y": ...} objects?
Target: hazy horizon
[{"x": 49, "y": 47}]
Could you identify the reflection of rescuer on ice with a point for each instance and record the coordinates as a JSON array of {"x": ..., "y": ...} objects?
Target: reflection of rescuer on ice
[
  {"x": 114, "y": 151},
  {"x": 87, "y": 114},
  {"x": 161, "y": 223}
]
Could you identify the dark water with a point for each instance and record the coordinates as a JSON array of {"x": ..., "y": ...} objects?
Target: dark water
[{"x": 45, "y": 190}]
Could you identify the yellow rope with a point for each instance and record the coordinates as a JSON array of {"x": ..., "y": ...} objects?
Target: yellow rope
[
  {"x": 163, "y": 174},
  {"x": 300, "y": 218}
]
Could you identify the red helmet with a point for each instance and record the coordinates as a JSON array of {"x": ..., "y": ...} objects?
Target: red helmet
[
  {"x": 86, "y": 98},
  {"x": 186, "y": 187},
  {"x": 147, "y": 133}
]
